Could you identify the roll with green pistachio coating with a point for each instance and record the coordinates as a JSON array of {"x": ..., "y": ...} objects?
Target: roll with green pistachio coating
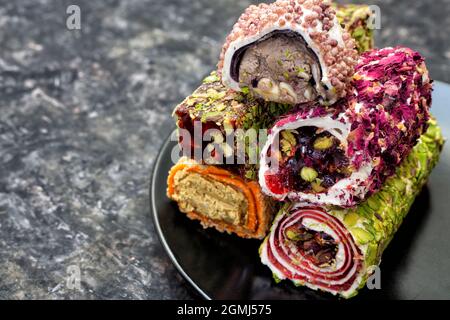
[
  {"x": 213, "y": 111},
  {"x": 356, "y": 20},
  {"x": 334, "y": 250}
]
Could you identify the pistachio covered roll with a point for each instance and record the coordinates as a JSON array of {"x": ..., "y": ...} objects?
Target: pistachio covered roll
[
  {"x": 341, "y": 154},
  {"x": 216, "y": 106},
  {"x": 220, "y": 199},
  {"x": 213, "y": 113},
  {"x": 335, "y": 250},
  {"x": 356, "y": 19},
  {"x": 289, "y": 51}
]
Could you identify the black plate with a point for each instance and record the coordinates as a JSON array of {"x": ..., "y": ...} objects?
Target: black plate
[{"x": 219, "y": 266}]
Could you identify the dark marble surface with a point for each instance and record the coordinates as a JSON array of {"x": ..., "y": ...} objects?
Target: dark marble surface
[{"x": 82, "y": 116}]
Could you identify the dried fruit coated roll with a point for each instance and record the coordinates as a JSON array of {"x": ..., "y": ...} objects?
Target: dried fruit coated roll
[
  {"x": 289, "y": 51},
  {"x": 334, "y": 250},
  {"x": 220, "y": 199},
  {"x": 339, "y": 155}
]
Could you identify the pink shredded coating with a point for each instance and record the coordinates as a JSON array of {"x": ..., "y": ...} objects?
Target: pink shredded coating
[
  {"x": 388, "y": 110},
  {"x": 394, "y": 90}
]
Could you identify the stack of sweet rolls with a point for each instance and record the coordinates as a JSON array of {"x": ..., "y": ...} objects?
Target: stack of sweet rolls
[{"x": 349, "y": 141}]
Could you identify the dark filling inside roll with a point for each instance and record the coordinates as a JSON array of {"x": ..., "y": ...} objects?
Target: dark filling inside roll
[
  {"x": 193, "y": 147},
  {"x": 311, "y": 160},
  {"x": 316, "y": 246},
  {"x": 279, "y": 67}
]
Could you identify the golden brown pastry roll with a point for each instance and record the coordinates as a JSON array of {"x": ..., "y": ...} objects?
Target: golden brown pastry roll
[{"x": 220, "y": 199}]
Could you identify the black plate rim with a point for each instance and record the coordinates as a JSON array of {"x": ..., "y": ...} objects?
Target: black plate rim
[{"x": 161, "y": 237}]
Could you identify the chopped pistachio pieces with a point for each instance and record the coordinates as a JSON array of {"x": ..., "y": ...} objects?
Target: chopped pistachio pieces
[
  {"x": 359, "y": 32},
  {"x": 323, "y": 143},
  {"x": 289, "y": 136},
  {"x": 373, "y": 203},
  {"x": 300, "y": 69},
  {"x": 198, "y": 106},
  {"x": 356, "y": 19},
  {"x": 291, "y": 235},
  {"x": 351, "y": 219},
  {"x": 220, "y": 107},
  {"x": 213, "y": 77},
  {"x": 308, "y": 174},
  {"x": 362, "y": 236},
  {"x": 210, "y": 116},
  {"x": 250, "y": 174},
  {"x": 275, "y": 278},
  {"x": 213, "y": 102},
  {"x": 215, "y": 95},
  {"x": 200, "y": 95},
  {"x": 288, "y": 141},
  {"x": 317, "y": 187},
  {"x": 286, "y": 147},
  {"x": 287, "y": 54}
]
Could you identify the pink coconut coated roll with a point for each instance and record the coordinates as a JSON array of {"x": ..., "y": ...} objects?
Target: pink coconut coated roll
[
  {"x": 339, "y": 155},
  {"x": 289, "y": 51}
]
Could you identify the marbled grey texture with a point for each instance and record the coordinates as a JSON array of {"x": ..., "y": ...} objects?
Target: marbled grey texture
[{"x": 83, "y": 115}]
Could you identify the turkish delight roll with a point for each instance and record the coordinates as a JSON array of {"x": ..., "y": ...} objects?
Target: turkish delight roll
[
  {"x": 221, "y": 111},
  {"x": 335, "y": 250},
  {"x": 357, "y": 20},
  {"x": 220, "y": 198},
  {"x": 339, "y": 155},
  {"x": 289, "y": 51}
]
